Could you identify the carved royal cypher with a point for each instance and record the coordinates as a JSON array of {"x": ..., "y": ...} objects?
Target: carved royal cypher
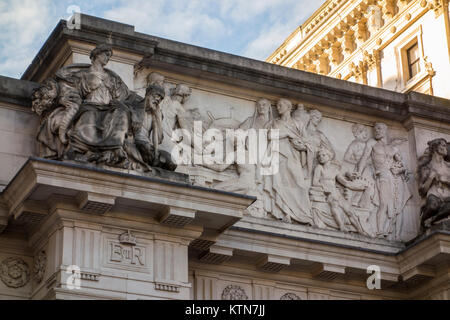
[
  {"x": 127, "y": 255},
  {"x": 126, "y": 251}
]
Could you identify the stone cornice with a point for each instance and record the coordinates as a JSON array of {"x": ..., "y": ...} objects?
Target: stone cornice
[
  {"x": 93, "y": 30},
  {"x": 16, "y": 92}
]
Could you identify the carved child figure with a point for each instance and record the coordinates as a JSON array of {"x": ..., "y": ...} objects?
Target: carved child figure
[
  {"x": 315, "y": 139},
  {"x": 326, "y": 174},
  {"x": 175, "y": 116}
]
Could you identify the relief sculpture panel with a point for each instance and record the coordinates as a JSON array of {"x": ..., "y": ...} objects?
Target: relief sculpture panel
[
  {"x": 280, "y": 152},
  {"x": 364, "y": 193}
]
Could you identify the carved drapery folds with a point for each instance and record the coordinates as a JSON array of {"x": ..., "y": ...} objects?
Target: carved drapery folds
[
  {"x": 360, "y": 195},
  {"x": 434, "y": 182},
  {"x": 311, "y": 186},
  {"x": 89, "y": 115}
]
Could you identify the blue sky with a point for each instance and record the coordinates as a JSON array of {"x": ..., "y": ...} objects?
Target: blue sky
[{"x": 251, "y": 28}]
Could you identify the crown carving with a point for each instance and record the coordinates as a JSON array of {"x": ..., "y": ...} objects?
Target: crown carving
[{"x": 127, "y": 238}]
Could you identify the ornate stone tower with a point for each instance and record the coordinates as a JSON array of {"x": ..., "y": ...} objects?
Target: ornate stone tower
[{"x": 400, "y": 45}]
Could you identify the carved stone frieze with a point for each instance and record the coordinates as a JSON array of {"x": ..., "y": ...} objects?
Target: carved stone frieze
[
  {"x": 330, "y": 208},
  {"x": 360, "y": 194},
  {"x": 89, "y": 115}
]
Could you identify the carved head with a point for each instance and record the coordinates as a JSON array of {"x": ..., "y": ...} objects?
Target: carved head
[
  {"x": 398, "y": 157},
  {"x": 183, "y": 92},
  {"x": 380, "y": 130},
  {"x": 263, "y": 106},
  {"x": 284, "y": 106},
  {"x": 438, "y": 146},
  {"x": 155, "y": 78},
  {"x": 153, "y": 97},
  {"x": 315, "y": 117},
  {"x": 101, "y": 53},
  {"x": 324, "y": 155},
  {"x": 360, "y": 132},
  {"x": 44, "y": 97}
]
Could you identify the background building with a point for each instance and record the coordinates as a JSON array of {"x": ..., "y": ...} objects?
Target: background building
[{"x": 400, "y": 45}]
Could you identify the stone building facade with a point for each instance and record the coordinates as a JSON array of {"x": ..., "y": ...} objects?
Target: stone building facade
[
  {"x": 90, "y": 209},
  {"x": 399, "y": 45}
]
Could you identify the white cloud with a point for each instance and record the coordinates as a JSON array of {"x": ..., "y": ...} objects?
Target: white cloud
[
  {"x": 179, "y": 20},
  {"x": 245, "y": 10},
  {"x": 283, "y": 21},
  {"x": 267, "y": 42},
  {"x": 253, "y": 28},
  {"x": 23, "y": 24}
]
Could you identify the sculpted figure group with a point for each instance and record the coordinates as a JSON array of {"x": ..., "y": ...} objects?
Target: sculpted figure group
[
  {"x": 89, "y": 115},
  {"x": 366, "y": 194}
]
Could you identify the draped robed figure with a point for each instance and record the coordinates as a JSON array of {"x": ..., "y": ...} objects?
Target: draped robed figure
[{"x": 288, "y": 198}]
